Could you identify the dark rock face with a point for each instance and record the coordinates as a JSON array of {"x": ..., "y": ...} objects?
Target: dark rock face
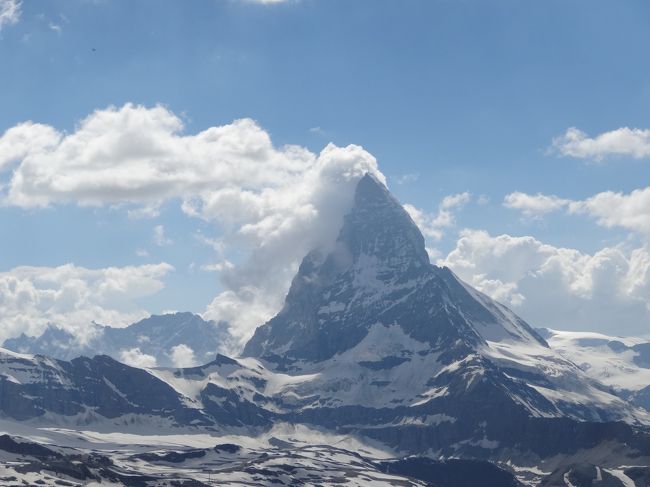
[
  {"x": 227, "y": 448},
  {"x": 89, "y": 389},
  {"x": 113, "y": 388},
  {"x": 154, "y": 336},
  {"x": 31, "y": 387},
  {"x": 228, "y": 408},
  {"x": 11, "y": 445},
  {"x": 642, "y": 397},
  {"x": 172, "y": 456},
  {"x": 457, "y": 473},
  {"x": 640, "y": 475},
  {"x": 582, "y": 475}
]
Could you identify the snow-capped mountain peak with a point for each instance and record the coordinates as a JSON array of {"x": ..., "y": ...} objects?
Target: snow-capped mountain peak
[
  {"x": 372, "y": 314},
  {"x": 379, "y": 272}
]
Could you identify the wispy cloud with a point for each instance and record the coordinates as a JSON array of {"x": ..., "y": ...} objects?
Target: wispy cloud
[
  {"x": 483, "y": 199},
  {"x": 55, "y": 27},
  {"x": 159, "y": 237},
  {"x": 408, "y": 178},
  {"x": 534, "y": 205},
  {"x": 10, "y": 11},
  {"x": 319, "y": 131},
  {"x": 142, "y": 253},
  {"x": 218, "y": 267}
]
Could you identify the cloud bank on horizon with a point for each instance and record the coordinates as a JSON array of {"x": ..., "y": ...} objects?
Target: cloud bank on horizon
[
  {"x": 272, "y": 205},
  {"x": 558, "y": 287},
  {"x": 73, "y": 296}
]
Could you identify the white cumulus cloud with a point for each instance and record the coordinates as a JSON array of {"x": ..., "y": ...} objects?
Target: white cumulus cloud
[
  {"x": 624, "y": 141},
  {"x": 558, "y": 287},
  {"x": 136, "y": 358},
  {"x": 271, "y": 203},
  {"x": 616, "y": 209},
  {"x": 26, "y": 139},
  {"x": 182, "y": 356},
  {"x": 630, "y": 211}
]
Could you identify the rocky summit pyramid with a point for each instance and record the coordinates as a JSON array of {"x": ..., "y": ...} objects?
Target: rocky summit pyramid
[
  {"x": 375, "y": 297},
  {"x": 379, "y": 273}
]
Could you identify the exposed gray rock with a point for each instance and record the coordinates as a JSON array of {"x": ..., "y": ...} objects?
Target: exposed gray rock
[{"x": 378, "y": 272}]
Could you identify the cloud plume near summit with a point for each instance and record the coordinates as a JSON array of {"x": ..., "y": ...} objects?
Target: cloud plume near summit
[{"x": 273, "y": 204}]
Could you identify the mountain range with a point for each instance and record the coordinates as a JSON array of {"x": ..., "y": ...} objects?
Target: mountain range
[
  {"x": 156, "y": 337},
  {"x": 378, "y": 364}
]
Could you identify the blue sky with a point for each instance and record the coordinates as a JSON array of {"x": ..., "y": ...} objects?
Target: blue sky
[{"x": 450, "y": 97}]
